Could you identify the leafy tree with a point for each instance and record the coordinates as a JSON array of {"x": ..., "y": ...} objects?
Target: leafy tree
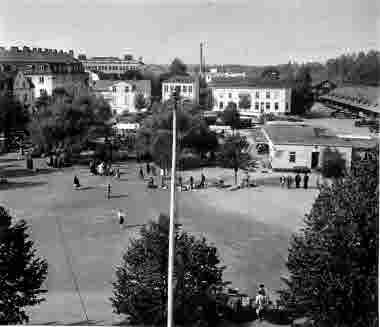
[
  {"x": 70, "y": 122},
  {"x": 302, "y": 98},
  {"x": 21, "y": 271},
  {"x": 333, "y": 261},
  {"x": 140, "y": 101},
  {"x": 233, "y": 153},
  {"x": 270, "y": 73},
  {"x": 333, "y": 164},
  {"x": 12, "y": 117},
  {"x": 245, "y": 101},
  {"x": 231, "y": 116},
  {"x": 177, "y": 67},
  {"x": 140, "y": 289}
]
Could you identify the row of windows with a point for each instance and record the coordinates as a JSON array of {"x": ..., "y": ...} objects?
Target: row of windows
[
  {"x": 59, "y": 68},
  {"x": 259, "y": 105},
  {"x": 268, "y": 95},
  {"x": 185, "y": 89},
  {"x": 104, "y": 68},
  {"x": 126, "y": 88}
]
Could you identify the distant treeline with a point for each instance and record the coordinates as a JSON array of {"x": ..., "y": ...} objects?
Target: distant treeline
[{"x": 355, "y": 68}]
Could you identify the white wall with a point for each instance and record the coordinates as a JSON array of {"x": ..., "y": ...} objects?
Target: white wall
[
  {"x": 280, "y": 96},
  {"x": 279, "y": 155},
  {"x": 193, "y": 95}
]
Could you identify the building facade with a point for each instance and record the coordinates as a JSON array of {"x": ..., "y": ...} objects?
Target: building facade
[
  {"x": 300, "y": 145},
  {"x": 252, "y": 98},
  {"x": 111, "y": 65},
  {"x": 47, "y": 69},
  {"x": 121, "y": 95},
  {"x": 188, "y": 85},
  {"x": 16, "y": 85}
]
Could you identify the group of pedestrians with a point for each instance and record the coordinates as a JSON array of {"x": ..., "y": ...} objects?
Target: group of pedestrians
[{"x": 288, "y": 181}]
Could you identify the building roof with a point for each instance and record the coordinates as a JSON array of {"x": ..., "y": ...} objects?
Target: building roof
[
  {"x": 303, "y": 135},
  {"x": 249, "y": 83},
  {"x": 104, "y": 85},
  {"x": 112, "y": 59},
  {"x": 362, "y": 97},
  {"x": 180, "y": 79},
  {"x": 27, "y": 55}
]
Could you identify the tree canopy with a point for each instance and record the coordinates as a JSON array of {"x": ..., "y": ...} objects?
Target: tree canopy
[
  {"x": 140, "y": 289},
  {"x": 333, "y": 261},
  {"x": 177, "y": 67},
  {"x": 231, "y": 116},
  {"x": 22, "y": 273},
  {"x": 69, "y": 123}
]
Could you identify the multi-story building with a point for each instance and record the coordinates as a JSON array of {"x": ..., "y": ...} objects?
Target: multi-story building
[
  {"x": 47, "y": 69},
  {"x": 121, "y": 95},
  {"x": 16, "y": 85},
  {"x": 188, "y": 85},
  {"x": 252, "y": 98},
  {"x": 111, "y": 65},
  {"x": 213, "y": 74}
]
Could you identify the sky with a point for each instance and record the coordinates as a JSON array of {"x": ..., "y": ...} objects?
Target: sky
[{"x": 251, "y": 32}]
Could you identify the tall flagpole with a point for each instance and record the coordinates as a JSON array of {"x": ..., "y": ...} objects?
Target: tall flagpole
[{"x": 171, "y": 222}]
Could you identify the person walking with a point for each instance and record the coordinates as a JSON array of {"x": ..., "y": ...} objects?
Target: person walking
[
  {"x": 109, "y": 191},
  {"x": 305, "y": 181},
  {"x": 282, "y": 181},
  {"x": 162, "y": 173},
  {"x": 121, "y": 216},
  {"x": 203, "y": 181},
  {"x": 147, "y": 168},
  {"x": 191, "y": 182},
  {"x": 180, "y": 182},
  {"x": 298, "y": 180},
  {"x": 117, "y": 173},
  {"x": 141, "y": 173},
  {"x": 261, "y": 304},
  {"x": 76, "y": 182}
]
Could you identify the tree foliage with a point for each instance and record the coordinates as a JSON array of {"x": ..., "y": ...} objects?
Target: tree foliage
[
  {"x": 21, "y": 271},
  {"x": 177, "y": 67},
  {"x": 155, "y": 135},
  {"x": 140, "y": 101},
  {"x": 69, "y": 123},
  {"x": 333, "y": 164},
  {"x": 302, "y": 98},
  {"x": 233, "y": 153},
  {"x": 231, "y": 116},
  {"x": 140, "y": 289},
  {"x": 333, "y": 261}
]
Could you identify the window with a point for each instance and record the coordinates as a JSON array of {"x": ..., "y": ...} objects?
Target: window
[
  {"x": 42, "y": 80},
  {"x": 220, "y": 105},
  {"x": 257, "y": 95},
  {"x": 113, "y": 88},
  {"x": 256, "y": 106},
  {"x": 262, "y": 105},
  {"x": 276, "y": 106},
  {"x": 171, "y": 88},
  {"x": 292, "y": 157},
  {"x": 126, "y": 89},
  {"x": 42, "y": 92},
  {"x": 190, "y": 89},
  {"x": 25, "y": 97},
  {"x": 267, "y": 105},
  {"x": 286, "y": 106},
  {"x": 166, "y": 88},
  {"x": 267, "y": 95},
  {"x": 184, "y": 88},
  {"x": 230, "y": 95}
]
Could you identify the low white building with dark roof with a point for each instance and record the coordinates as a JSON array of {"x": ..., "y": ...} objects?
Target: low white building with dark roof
[
  {"x": 189, "y": 88},
  {"x": 121, "y": 95},
  {"x": 301, "y": 145}
]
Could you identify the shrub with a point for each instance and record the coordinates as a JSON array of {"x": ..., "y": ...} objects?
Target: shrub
[{"x": 333, "y": 164}]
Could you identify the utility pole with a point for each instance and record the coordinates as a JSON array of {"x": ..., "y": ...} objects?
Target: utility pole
[{"x": 171, "y": 216}]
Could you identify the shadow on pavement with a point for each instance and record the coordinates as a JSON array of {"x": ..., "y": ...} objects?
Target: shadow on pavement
[
  {"x": 13, "y": 185},
  {"x": 119, "y": 196},
  {"x": 23, "y": 172}
]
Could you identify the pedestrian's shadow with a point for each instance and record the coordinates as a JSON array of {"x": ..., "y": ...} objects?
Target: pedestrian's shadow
[{"x": 119, "y": 196}]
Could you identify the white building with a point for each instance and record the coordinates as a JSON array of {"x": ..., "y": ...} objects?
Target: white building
[
  {"x": 47, "y": 69},
  {"x": 252, "y": 98},
  {"x": 121, "y": 95},
  {"x": 189, "y": 88},
  {"x": 300, "y": 145},
  {"x": 214, "y": 74}
]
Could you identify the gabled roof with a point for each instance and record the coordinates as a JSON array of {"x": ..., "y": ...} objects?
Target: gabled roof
[
  {"x": 35, "y": 57},
  {"x": 180, "y": 79},
  {"x": 249, "y": 83}
]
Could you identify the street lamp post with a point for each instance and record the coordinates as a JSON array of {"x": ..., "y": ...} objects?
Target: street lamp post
[{"x": 171, "y": 216}]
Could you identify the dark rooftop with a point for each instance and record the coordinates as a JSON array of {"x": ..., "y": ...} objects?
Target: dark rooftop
[{"x": 180, "y": 79}]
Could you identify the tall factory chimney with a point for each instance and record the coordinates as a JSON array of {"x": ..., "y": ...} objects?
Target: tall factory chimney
[{"x": 201, "y": 60}]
